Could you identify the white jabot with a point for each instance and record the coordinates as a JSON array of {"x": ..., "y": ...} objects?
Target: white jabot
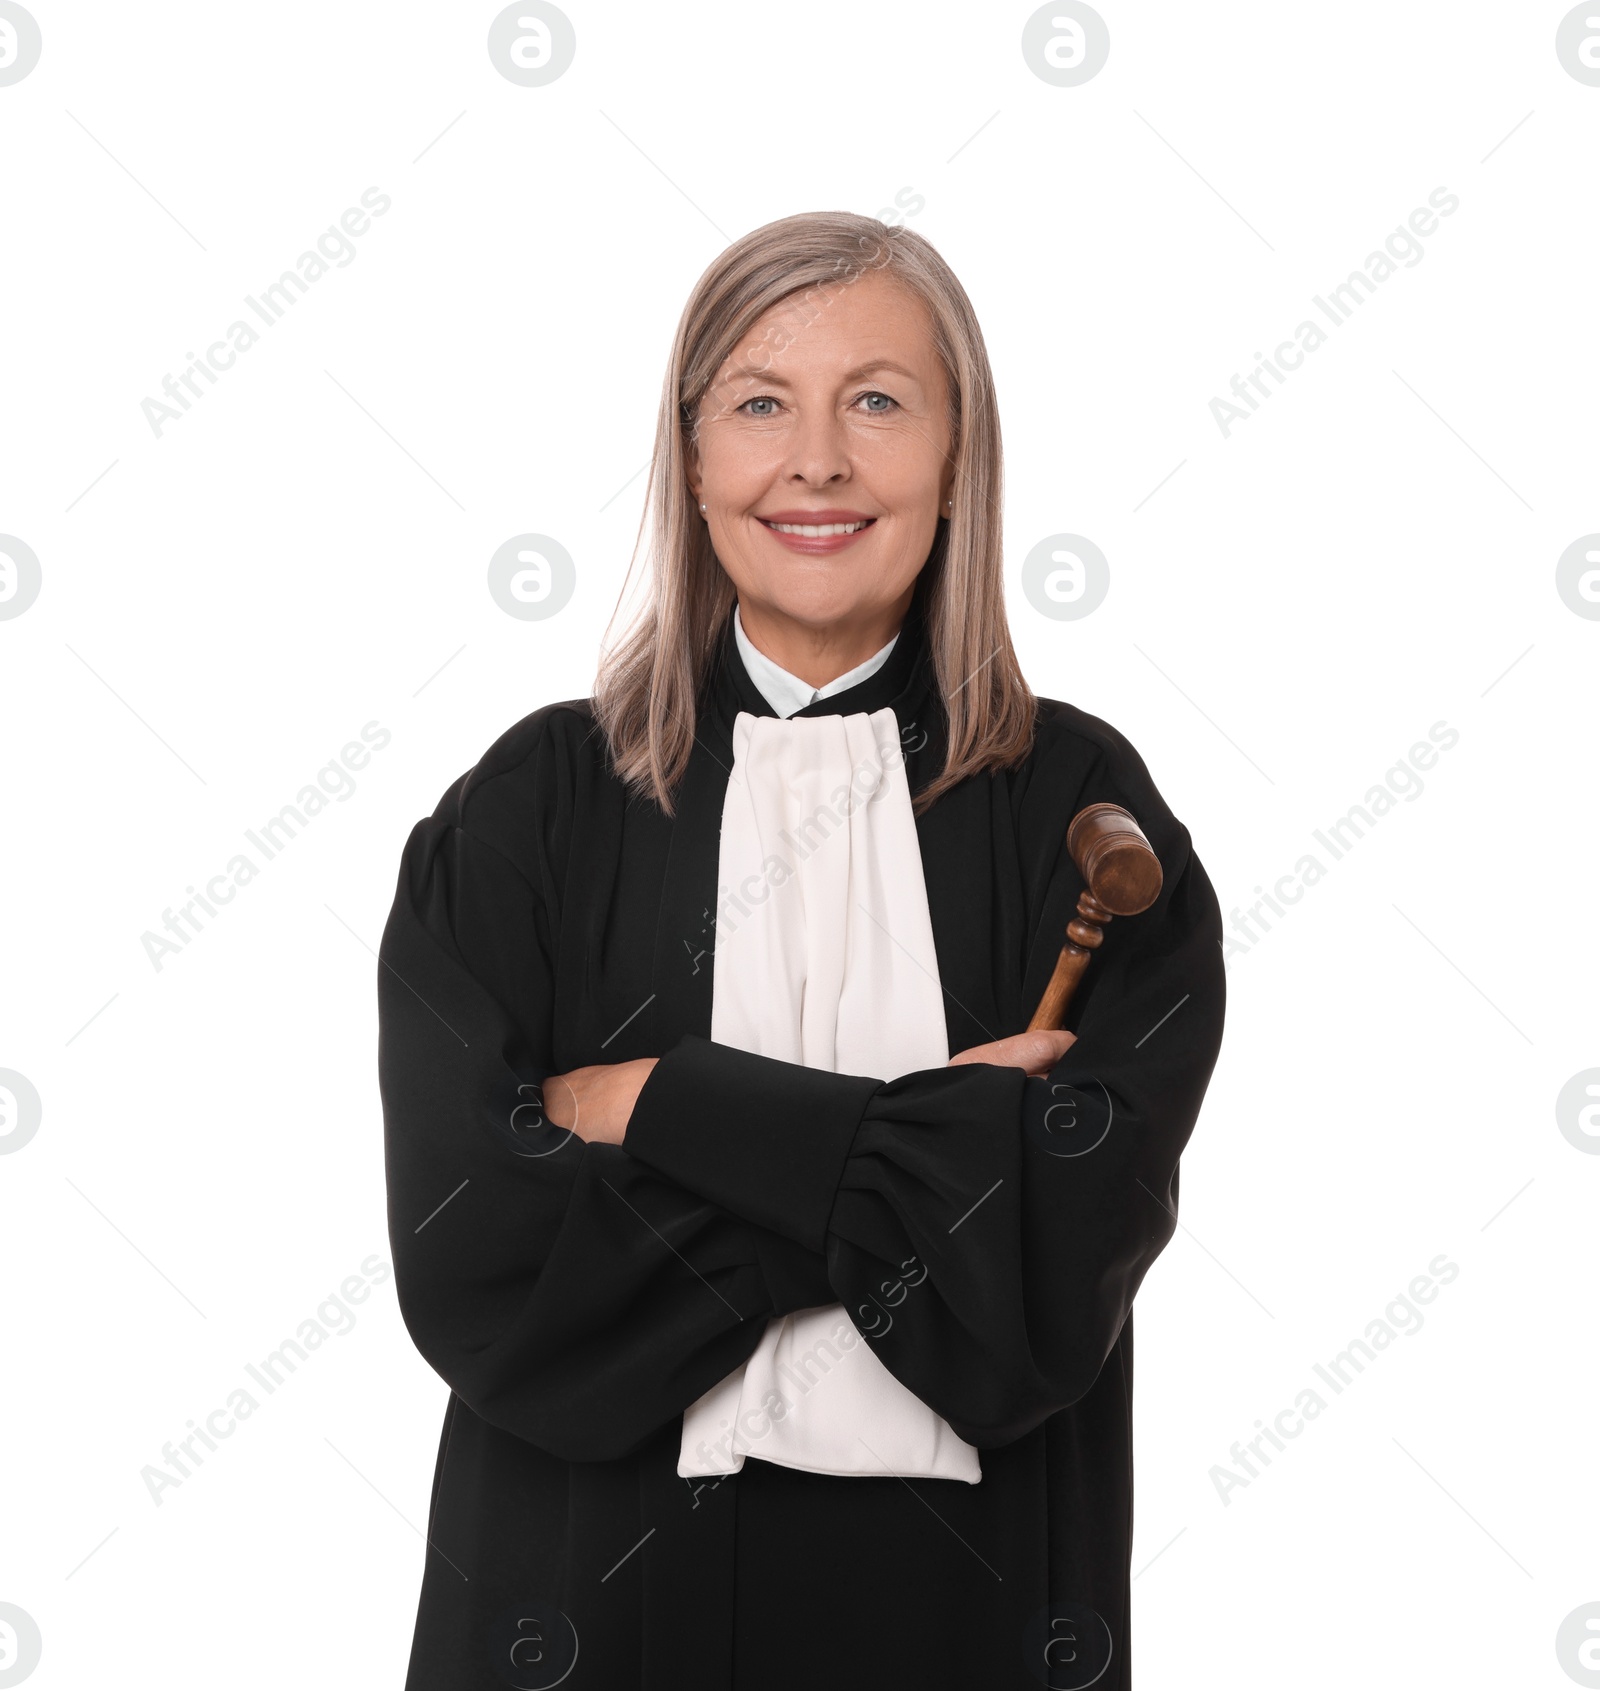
[
  {"x": 787, "y": 693},
  {"x": 825, "y": 956}
]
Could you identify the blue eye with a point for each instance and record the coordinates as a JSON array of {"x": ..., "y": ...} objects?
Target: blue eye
[{"x": 872, "y": 411}]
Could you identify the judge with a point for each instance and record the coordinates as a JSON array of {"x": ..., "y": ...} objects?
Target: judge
[{"x": 783, "y": 1282}]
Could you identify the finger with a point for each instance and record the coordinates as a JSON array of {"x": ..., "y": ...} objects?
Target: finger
[
  {"x": 973, "y": 1054},
  {"x": 1050, "y": 1046},
  {"x": 566, "y": 1087}
]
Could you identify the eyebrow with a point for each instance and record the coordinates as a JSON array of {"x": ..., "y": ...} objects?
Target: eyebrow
[{"x": 860, "y": 370}]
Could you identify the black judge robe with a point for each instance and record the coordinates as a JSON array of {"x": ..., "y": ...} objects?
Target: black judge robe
[{"x": 986, "y": 1231}]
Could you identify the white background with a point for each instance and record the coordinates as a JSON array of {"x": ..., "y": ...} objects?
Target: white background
[{"x": 226, "y": 604}]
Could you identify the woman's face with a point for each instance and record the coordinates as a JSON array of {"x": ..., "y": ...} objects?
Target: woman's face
[{"x": 832, "y": 410}]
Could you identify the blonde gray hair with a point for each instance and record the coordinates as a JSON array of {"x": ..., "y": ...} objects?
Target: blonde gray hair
[{"x": 649, "y": 682}]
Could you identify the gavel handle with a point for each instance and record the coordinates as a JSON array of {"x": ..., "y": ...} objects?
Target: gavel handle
[{"x": 1084, "y": 934}]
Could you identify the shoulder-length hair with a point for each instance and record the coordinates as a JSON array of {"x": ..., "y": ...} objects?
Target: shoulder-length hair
[{"x": 650, "y": 681}]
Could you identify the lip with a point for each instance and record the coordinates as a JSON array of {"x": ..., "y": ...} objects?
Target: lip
[{"x": 817, "y": 545}]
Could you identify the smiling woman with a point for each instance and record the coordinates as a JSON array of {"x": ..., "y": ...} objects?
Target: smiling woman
[{"x": 784, "y": 1304}]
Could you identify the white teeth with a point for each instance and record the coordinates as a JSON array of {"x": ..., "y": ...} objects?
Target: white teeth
[{"x": 815, "y": 529}]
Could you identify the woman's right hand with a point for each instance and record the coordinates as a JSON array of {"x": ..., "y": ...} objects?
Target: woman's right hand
[
  {"x": 596, "y": 1101},
  {"x": 1036, "y": 1051}
]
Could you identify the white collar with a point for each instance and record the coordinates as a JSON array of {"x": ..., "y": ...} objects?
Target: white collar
[{"x": 787, "y": 693}]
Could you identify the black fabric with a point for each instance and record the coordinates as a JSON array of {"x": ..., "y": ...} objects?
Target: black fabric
[
  {"x": 770, "y": 1138},
  {"x": 986, "y": 1232}
]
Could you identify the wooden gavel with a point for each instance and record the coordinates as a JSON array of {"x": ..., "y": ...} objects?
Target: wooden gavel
[{"x": 1121, "y": 877}]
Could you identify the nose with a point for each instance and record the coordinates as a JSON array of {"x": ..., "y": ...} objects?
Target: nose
[{"x": 819, "y": 449}]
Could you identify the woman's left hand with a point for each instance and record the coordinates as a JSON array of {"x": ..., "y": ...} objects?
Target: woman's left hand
[
  {"x": 595, "y": 1102},
  {"x": 1037, "y": 1051}
]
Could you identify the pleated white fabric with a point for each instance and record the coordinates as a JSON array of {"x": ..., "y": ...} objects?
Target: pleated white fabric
[{"x": 824, "y": 956}]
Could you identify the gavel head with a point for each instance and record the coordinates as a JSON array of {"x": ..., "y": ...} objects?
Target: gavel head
[{"x": 1120, "y": 870}]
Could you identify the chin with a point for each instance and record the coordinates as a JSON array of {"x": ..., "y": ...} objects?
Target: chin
[
  {"x": 838, "y": 592},
  {"x": 822, "y": 610}
]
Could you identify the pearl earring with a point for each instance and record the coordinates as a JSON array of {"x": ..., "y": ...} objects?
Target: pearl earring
[{"x": 702, "y": 507}]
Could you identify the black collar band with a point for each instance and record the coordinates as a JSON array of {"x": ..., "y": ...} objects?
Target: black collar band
[{"x": 903, "y": 682}]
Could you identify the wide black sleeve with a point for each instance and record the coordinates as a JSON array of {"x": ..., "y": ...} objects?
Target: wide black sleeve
[
  {"x": 565, "y": 1291},
  {"x": 987, "y": 1231}
]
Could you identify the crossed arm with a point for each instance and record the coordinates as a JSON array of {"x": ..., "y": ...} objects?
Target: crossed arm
[
  {"x": 579, "y": 1292},
  {"x": 597, "y": 1101}
]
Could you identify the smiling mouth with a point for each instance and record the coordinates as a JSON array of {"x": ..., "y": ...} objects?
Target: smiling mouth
[{"x": 817, "y": 530}]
